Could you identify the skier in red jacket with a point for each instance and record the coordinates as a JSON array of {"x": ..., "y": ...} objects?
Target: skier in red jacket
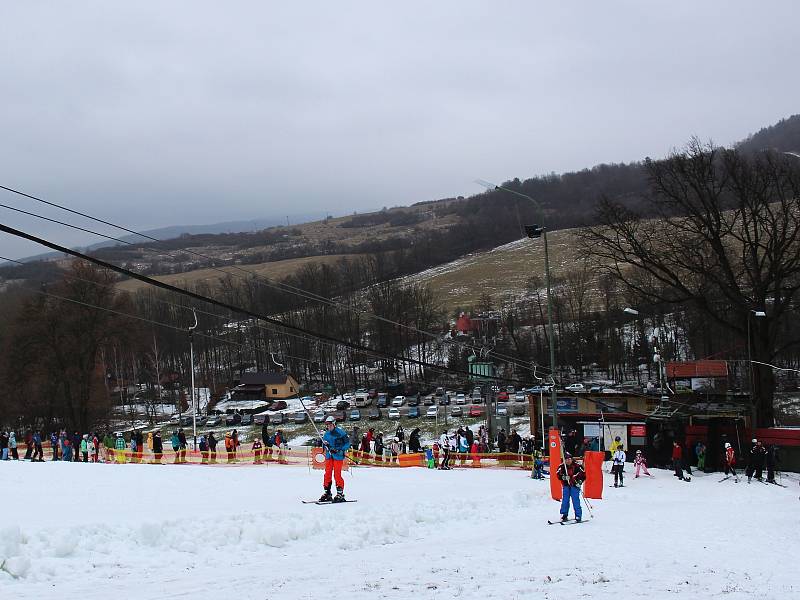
[
  {"x": 677, "y": 461},
  {"x": 730, "y": 461},
  {"x": 572, "y": 476}
]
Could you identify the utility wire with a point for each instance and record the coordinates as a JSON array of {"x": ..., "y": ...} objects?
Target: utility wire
[
  {"x": 225, "y": 305},
  {"x": 281, "y": 286}
]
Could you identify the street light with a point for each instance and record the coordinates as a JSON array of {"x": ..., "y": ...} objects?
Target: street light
[
  {"x": 533, "y": 232},
  {"x": 758, "y": 314},
  {"x": 191, "y": 365}
]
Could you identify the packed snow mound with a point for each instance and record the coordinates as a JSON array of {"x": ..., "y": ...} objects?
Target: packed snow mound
[{"x": 179, "y": 531}]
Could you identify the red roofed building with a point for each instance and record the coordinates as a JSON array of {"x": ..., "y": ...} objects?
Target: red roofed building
[
  {"x": 697, "y": 368},
  {"x": 465, "y": 325}
]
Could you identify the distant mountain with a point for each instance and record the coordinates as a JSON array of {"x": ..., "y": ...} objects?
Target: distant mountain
[
  {"x": 784, "y": 136},
  {"x": 175, "y": 231}
]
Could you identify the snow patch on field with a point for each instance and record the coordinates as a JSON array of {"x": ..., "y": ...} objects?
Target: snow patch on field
[{"x": 185, "y": 531}]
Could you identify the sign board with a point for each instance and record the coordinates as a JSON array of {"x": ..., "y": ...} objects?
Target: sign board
[
  {"x": 703, "y": 384},
  {"x": 638, "y": 431},
  {"x": 591, "y": 430},
  {"x": 564, "y": 405}
]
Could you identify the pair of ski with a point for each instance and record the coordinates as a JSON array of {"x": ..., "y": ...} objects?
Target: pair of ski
[
  {"x": 322, "y": 502},
  {"x": 567, "y": 522},
  {"x": 735, "y": 479}
]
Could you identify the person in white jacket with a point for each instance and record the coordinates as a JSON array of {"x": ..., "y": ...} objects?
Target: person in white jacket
[
  {"x": 617, "y": 465},
  {"x": 444, "y": 443}
]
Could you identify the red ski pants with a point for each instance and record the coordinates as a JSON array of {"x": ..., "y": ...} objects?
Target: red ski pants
[{"x": 333, "y": 470}]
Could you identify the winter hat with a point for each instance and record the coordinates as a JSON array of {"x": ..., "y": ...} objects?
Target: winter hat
[
  {"x": 330, "y": 419},
  {"x": 638, "y": 452},
  {"x": 727, "y": 445},
  {"x": 567, "y": 455},
  {"x": 754, "y": 440}
]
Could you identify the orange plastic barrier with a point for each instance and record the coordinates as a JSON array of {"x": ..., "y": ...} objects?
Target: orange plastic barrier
[
  {"x": 410, "y": 460},
  {"x": 318, "y": 459},
  {"x": 593, "y": 465},
  {"x": 554, "y": 441}
]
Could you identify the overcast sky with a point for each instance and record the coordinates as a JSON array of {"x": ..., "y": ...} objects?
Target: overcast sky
[{"x": 166, "y": 113}]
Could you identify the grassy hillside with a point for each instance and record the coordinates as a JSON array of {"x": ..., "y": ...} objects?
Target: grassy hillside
[{"x": 501, "y": 272}]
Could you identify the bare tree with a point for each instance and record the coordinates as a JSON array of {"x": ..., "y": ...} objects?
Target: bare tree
[{"x": 726, "y": 240}]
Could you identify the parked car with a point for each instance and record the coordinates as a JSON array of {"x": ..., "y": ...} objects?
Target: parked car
[
  {"x": 518, "y": 410},
  {"x": 414, "y": 401},
  {"x": 502, "y": 410},
  {"x": 394, "y": 413},
  {"x": 429, "y": 400},
  {"x": 398, "y": 401},
  {"x": 277, "y": 419},
  {"x": 475, "y": 411},
  {"x": 260, "y": 418},
  {"x": 339, "y": 415},
  {"x": 432, "y": 412},
  {"x": 576, "y": 387},
  {"x": 300, "y": 417},
  {"x": 520, "y": 397},
  {"x": 383, "y": 400},
  {"x": 246, "y": 420},
  {"x": 342, "y": 405},
  {"x": 439, "y": 391},
  {"x": 374, "y": 414},
  {"x": 477, "y": 395},
  {"x": 174, "y": 419},
  {"x": 510, "y": 389},
  {"x": 319, "y": 416},
  {"x": 461, "y": 398},
  {"x": 233, "y": 419},
  {"x": 413, "y": 412},
  {"x": 355, "y": 415},
  {"x": 596, "y": 389},
  {"x": 456, "y": 411},
  {"x": 502, "y": 395},
  {"x": 443, "y": 400},
  {"x": 186, "y": 420},
  {"x": 214, "y": 421}
]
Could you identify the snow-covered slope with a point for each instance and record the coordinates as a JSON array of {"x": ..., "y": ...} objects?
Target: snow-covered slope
[{"x": 196, "y": 531}]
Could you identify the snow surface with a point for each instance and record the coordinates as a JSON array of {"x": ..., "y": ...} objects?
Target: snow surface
[{"x": 189, "y": 531}]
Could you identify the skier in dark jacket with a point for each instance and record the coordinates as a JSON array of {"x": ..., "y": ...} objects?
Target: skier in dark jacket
[
  {"x": 212, "y": 447},
  {"x": 379, "y": 447},
  {"x": 158, "y": 447},
  {"x": 413, "y": 441},
  {"x": 773, "y": 462},
  {"x": 501, "y": 440},
  {"x": 572, "y": 476},
  {"x": 755, "y": 464}
]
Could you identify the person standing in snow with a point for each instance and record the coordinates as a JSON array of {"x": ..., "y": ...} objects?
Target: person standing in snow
[
  {"x": 336, "y": 443},
  {"x": 119, "y": 447},
  {"x": 640, "y": 462},
  {"x": 3, "y": 445},
  {"x": 257, "y": 451},
  {"x": 85, "y": 447},
  {"x": 158, "y": 448},
  {"x": 379, "y": 446},
  {"x": 139, "y": 446},
  {"x": 700, "y": 452},
  {"x": 364, "y": 448},
  {"x": 203, "y": 444},
  {"x": 730, "y": 460},
  {"x": 212, "y": 447},
  {"x": 755, "y": 466},
  {"x": 182, "y": 445},
  {"x": 773, "y": 461},
  {"x": 54, "y": 444},
  {"x": 37, "y": 447},
  {"x": 175, "y": 441},
  {"x": 618, "y": 465},
  {"x": 12, "y": 445},
  {"x": 571, "y": 475},
  {"x": 677, "y": 460},
  {"x": 444, "y": 445},
  {"x": 413, "y": 441},
  {"x": 396, "y": 448}
]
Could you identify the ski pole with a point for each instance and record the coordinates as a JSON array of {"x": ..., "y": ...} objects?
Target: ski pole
[{"x": 588, "y": 505}]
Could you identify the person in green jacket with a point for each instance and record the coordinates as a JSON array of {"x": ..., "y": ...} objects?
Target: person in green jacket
[
  {"x": 176, "y": 446},
  {"x": 85, "y": 448},
  {"x": 700, "y": 451},
  {"x": 119, "y": 448}
]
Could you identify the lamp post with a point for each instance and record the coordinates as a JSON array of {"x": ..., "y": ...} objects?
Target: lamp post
[
  {"x": 536, "y": 231},
  {"x": 191, "y": 366},
  {"x": 758, "y": 314}
]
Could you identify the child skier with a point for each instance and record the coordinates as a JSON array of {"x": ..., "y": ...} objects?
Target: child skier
[
  {"x": 336, "y": 442},
  {"x": 538, "y": 464},
  {"x": 572, "y": 476},
  {"x": 640, "y": 462},
  {"x": 257, "y": 451},
  {"x": 730, "y": 462},
  {"x": 618, "y": 465}
]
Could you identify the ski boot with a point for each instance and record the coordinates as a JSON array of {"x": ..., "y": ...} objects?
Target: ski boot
[
  {"x": 326, "y": 497},
  {"x": 339, "y": 497},
  {"x": 564, "y": 517},
  {"x": 577, "y": 519}
]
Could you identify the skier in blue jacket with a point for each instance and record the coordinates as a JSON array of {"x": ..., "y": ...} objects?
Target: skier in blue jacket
[{"x": 336, "y": 442}]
